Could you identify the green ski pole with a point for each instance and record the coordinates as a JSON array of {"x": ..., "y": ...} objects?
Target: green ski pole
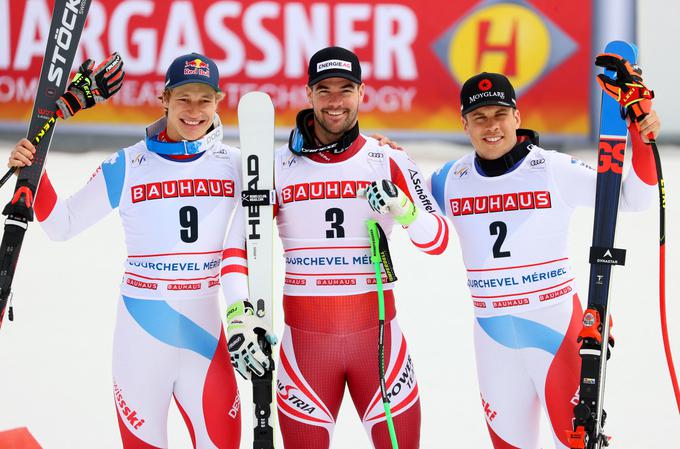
[{"x": 381, "y": 255}]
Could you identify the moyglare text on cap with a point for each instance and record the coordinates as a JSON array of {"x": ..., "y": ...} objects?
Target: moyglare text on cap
[{"x": 486, "y": 89}]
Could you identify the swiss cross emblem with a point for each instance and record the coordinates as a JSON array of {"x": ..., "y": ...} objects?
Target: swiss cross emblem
[{"x": 484, "y": 85}]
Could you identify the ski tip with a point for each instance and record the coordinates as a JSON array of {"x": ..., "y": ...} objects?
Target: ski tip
[
  {"x": 255, "y": 97},
  {"x": 625, "y": 49},
  {"x": 255, "y": 104}
]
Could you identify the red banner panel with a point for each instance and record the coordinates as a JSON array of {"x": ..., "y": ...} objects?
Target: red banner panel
[{"x": 415, "y": 55}]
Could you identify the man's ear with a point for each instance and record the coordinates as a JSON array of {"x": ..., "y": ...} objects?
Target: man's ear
[
  {"x": 464, "y": 122},
  {"x": 309, "y": 95}
]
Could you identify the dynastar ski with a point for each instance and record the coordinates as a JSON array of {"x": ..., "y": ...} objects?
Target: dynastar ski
[
  {"x": 256, "y": 130},
  {"x": 595, "y": 338},
  {"x": 68, "y": 20}
]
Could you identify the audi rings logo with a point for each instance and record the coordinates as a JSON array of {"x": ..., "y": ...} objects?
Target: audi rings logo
[{"x": 375, "y": 155}]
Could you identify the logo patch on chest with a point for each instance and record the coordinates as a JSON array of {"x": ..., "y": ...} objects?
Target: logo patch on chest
[
  {"x": 322, "y": 190},
  {"x": 461, "y": 171},
  {"x": 500, "y": 203},
  {"x": 182, "y": 188}
]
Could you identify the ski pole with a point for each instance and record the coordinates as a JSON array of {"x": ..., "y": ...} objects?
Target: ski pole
[
  {"x": 376, "y": 236},
  {"x": 662, "y": 272}
]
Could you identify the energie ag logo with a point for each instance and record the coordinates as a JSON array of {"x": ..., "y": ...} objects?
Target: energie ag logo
[{"x": 509, "y": 37}]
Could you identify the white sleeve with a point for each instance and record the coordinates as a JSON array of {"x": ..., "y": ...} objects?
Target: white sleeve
[
  {"x": 430, "y": 231},
  {"x": 234, "y": 267},
  {"x": 576, "y": 182},
  {"x": 64, "y": 219}
]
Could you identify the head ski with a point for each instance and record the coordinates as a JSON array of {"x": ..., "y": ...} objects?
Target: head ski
[{"x": 256, "y": 131}]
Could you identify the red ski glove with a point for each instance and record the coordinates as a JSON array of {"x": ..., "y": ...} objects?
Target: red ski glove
[
  {"x": 628, "y": 88},
  {"x": 92, "y": 85}
]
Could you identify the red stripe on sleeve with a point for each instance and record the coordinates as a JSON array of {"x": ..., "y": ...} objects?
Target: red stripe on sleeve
[
  {"x": 445, "y": 241},
  {"x": 440, "y": 227},
  {"x": 398, "y": 178},
  {"x": 46, "y": 198},
  {"x": 234, "y": 252},
  {"x": 227, "y": 269}
]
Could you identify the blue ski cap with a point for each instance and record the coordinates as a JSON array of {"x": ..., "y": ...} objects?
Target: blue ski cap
[
  {"x": 192, "y": 68},
  {"x": 487, "y": 89}
]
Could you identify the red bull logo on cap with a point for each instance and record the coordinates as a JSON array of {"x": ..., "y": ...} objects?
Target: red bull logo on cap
[{"x": 196, "y": 67}]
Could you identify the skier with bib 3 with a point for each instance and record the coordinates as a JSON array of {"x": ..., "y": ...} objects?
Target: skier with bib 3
[{"x": 329, "y": 180}]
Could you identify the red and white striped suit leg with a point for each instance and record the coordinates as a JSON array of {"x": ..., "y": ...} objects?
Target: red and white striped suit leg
[{"x": 330, "y": 341}]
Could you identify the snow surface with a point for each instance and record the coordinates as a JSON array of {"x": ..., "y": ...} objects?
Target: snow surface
[{"x": 55, "y": 358}]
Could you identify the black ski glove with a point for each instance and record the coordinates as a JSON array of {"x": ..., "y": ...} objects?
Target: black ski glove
[
  {"x": 91, "y": 86},
  {"x": 628, "y": 88}
]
